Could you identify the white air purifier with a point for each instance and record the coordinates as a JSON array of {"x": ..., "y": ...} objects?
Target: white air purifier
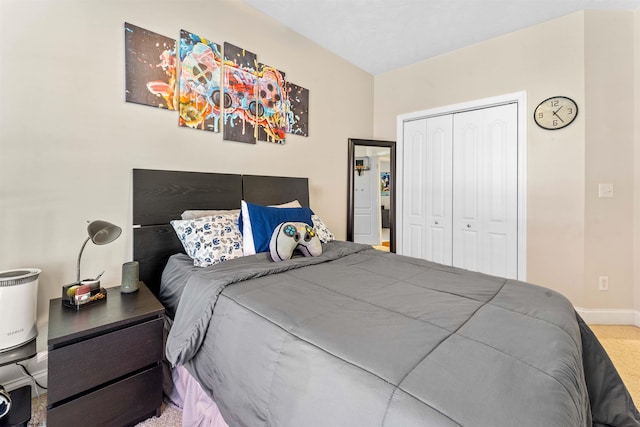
[{"x": 18, "y": 307}]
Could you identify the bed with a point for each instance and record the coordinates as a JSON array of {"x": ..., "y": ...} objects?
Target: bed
[{"x": 356, "y": 336}]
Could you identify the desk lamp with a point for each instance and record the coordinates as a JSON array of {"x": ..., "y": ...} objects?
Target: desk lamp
[
  {"x": 85, "y": 292},
  {"x": 100, "y": 232}
]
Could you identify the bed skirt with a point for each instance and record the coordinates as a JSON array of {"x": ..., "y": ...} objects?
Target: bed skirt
[{"x": 197, "y": 407}]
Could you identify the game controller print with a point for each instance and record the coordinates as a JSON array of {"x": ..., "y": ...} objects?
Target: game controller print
[{"x": 290, "y": 236}]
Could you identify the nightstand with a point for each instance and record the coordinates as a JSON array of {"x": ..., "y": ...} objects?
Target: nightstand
[{"x": 104, "y": 366}]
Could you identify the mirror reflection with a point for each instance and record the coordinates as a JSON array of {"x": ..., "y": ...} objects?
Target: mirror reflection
[{"x": 371, "y": 198}]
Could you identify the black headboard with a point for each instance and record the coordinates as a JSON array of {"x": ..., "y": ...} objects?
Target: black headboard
[
  {"x": 161, "y": 196},
  {"x": 274, "y": 190}
]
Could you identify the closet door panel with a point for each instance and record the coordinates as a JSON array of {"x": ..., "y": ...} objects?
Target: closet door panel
[
  {"x": 467, "y": 189},
  {"x": 497, "y": 177},
  {"x": 438, "y": 187},
  {"x": 413, "y": 194},
  {"x": 467, "y": 250},
  {"x": 439, "y": 246},
  {"x": 417, "y": 242},
  {"x": 501, "y": 199},
  {"x": 485, "y": 190},
  {"x": 498, "y": 256}
]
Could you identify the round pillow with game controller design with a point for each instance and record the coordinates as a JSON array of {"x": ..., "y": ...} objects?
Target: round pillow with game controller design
[{"x": 289, "y": 236}]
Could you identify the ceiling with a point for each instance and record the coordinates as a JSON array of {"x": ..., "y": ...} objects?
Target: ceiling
[{"x": 381, "y": 35}]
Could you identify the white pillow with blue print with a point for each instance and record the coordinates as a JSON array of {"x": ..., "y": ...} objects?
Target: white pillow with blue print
[
  {"x": 323, "y": 232},
  {"x": 210, "y": 240}
]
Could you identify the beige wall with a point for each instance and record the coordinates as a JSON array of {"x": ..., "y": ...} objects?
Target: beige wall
[
  {"x": 609, "y": 130},
  {"x": 572, "y": 236},
  {"x": 68, "y": 140}
]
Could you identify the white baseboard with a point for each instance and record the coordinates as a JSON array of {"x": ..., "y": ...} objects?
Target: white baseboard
[
  {"x": 609, "y": 316},
  {"x": 40, "y": 376}
]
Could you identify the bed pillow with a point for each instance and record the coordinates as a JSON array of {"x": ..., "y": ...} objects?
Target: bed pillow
[
  {"x": 322, "y": 230},
  {"x": 291, "y": 204},
  {"x": 290, "y": 236},
  {"x": 258, "y": 222},
  {"x": 193, "y": 214},
  {"x": 210, "y": 240},
  {"x": 202, "y": 213}
]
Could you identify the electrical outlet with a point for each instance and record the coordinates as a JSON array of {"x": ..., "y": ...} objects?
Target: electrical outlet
[{"x": 603, "y": 283}]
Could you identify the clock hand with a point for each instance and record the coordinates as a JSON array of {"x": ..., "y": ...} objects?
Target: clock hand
[{"x": 555, "y": 114}]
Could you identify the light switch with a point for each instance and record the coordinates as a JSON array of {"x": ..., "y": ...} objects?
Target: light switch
[{"x": 605, "y": 190}]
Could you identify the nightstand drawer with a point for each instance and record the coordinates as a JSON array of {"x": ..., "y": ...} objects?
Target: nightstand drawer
[
  {"x": 81, "y": 366},
  {"x": 119, "y": 404}
]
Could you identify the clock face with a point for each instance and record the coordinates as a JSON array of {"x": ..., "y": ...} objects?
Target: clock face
[{"x": 556, "y": 112}]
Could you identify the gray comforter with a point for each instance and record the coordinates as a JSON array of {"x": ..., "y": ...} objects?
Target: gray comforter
[{"x": 358, "y": 337}]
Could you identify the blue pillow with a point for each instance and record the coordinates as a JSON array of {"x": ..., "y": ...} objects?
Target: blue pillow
[{"x": 258, "y": 222}]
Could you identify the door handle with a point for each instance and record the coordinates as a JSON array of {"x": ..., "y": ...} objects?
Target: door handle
[{"x": 468, "y": 225}]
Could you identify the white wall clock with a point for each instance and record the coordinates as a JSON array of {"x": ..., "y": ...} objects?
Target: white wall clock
[{"x": 556, "y": 112}]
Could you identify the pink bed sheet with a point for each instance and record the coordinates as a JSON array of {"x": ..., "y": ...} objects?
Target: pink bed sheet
[{"x": 198, "y": 409}]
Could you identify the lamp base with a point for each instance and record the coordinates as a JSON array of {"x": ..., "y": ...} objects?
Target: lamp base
[{"x": 78, "y": 295}]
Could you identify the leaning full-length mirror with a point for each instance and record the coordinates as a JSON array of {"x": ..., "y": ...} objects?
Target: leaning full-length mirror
[{"x": 371, "y": 193}]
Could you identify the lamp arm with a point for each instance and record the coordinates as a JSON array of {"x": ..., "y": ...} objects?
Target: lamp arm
[{"x": 80, "y": 256}]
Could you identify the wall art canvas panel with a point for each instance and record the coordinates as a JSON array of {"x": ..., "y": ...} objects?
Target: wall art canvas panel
[
  {"x": 298, "y": 100},
  {"x": 240, "y": 103},
  {"x": 272, "y": 105},
  {"x": 150, "y": 63},
  {"x": 200, "y": 77}
]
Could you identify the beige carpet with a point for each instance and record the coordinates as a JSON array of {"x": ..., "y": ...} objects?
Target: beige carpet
[
  {"x": 622, "y": 343},
  {"x": 171, "y": 417}
]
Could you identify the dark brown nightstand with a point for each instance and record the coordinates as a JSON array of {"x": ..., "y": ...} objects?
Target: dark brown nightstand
[{"x": 105, "y": 361}]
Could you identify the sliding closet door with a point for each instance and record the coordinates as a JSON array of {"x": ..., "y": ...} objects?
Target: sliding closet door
[{"x": 485, "y": 190}]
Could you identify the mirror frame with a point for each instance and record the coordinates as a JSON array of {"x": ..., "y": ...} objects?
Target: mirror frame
[{"x": 392, "y": 186}]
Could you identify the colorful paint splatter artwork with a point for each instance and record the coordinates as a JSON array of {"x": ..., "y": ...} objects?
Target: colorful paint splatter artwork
[
  {"x": 240, "y": 104},
  {"x": 249, "y": 101},
  {"x": 199, "y": 86},
  {"x": 298, "y": 111},
  {"x": 271, "y": 114},
  {"x": 150, "y": 62}
]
